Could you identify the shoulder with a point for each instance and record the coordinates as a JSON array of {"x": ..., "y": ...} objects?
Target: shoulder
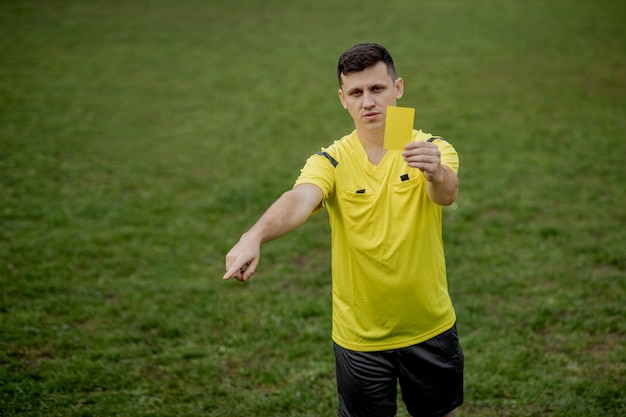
[
  {"x": 441, "y": 143},
  {"x": 339, "y": 150}
]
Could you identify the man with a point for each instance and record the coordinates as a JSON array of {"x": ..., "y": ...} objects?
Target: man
[{"x": 392, "y": 318}]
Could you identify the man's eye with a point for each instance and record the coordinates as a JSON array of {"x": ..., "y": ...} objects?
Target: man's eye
[{"x": 356, "y": 93}]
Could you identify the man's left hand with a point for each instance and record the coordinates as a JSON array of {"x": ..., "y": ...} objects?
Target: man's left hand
[{"x": 426, "y": 157}]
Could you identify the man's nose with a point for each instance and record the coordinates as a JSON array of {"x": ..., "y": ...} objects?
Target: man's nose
[{"x": 368, "y": 100}]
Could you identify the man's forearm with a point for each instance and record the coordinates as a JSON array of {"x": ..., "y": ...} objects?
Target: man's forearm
[
  {"x": 288, "y": 212},
  {"x": 445, "y": 189},
  {"x": 285, "y": 215}
]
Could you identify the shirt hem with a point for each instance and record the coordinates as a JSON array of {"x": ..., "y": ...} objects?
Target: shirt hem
[{"x": 377, "y": 347}]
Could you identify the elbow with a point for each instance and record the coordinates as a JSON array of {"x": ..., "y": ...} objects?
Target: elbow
[
  {"x": 449, "y": 199},
  {"x": 445, "y": 199}
]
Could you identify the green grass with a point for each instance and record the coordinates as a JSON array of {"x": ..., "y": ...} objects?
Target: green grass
[{"x": 139, "y": 139}]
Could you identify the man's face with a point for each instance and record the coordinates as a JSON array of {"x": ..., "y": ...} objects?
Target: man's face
[{"x": 367, "y": 94}]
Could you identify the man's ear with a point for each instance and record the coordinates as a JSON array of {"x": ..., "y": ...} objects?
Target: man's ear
[
  {"x": 399, "y": 85},
  {"x": 342, "y": 98}
]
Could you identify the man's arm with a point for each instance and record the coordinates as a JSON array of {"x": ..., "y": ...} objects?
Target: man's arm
[
  {"x": 443, "y": 183},
  {"x": 286, "y": 214}
]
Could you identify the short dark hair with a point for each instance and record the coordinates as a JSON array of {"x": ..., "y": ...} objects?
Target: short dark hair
[{"x": 362, "y": 56}]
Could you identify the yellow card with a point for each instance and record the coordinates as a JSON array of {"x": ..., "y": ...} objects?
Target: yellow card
[{"x": 398, "y": 127}]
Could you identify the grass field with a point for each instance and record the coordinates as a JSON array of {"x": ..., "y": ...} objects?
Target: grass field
[{"x": 139, "y": 139}]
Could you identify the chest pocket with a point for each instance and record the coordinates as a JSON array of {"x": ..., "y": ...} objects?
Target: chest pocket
[
  {"x": 407, "y": 184},
  {"x": 354, "y": 200}
]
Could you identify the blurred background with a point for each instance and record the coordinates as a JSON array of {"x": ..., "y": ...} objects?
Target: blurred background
[{"x": 139, "y": 139}]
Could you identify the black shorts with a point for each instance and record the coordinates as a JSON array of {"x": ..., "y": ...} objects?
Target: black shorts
[{"x": 430, "y": 376}]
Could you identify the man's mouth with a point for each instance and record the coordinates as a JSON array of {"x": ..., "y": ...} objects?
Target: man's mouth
[{"x": 371, "y": 115}]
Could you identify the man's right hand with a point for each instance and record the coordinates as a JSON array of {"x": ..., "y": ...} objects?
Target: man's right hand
[
  {"x": 287, "y": 213},
  {"x": 243, "y": 258}
]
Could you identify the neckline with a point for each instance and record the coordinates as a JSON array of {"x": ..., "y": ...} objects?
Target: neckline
[{"x": 365, "y": 158}]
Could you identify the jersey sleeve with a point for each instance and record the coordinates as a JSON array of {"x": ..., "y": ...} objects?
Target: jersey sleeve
[
  {"x": 449, "y": 156},
  {"x": 319, "y": 170}
]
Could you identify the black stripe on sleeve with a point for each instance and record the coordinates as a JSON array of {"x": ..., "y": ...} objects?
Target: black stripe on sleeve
[{"x": 330, "y": 158}]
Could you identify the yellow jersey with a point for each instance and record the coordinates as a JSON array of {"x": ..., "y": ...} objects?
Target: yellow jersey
[{"x": 389, "y": 285}]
